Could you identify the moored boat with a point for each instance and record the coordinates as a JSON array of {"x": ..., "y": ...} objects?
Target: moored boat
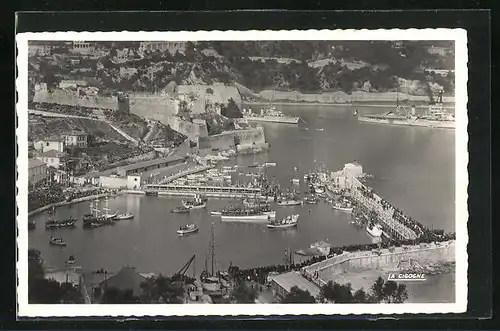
[
  {"x": 54, "y": 224},
  {"x": 186, "y": 229},
  {"x": 311, "y": 200},
  {"x": 126, "y": 216},
  {"x": 289, "y": 202},
  {"x": 215, "y": 213},
  {"x": 346, "y": 208},
  {"x": 196, "y": 203},
  {"x": 57, "y": 241},
  {"x": 71, "y": 260},
  {"x": 180, "y": 210},
  {"x": 287, "y": 222},
  {"x": 374, "y": 230},
  {"x": 248, "y": 215}
]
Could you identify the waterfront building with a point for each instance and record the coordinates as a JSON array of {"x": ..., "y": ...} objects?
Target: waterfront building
[
  {"x": 281, "y": 285},
  {"x": 37, "y": 171},
  {"x": 48, "y": 144},
  {"x": 75, "y": 138},
  {"x": 162, "y": 46},
  {"x": 53, "y": 158},
  {"x": 118, "y": 182},
  {"x": 140, "y": 167},
  {"x": 83, "y": 47}
]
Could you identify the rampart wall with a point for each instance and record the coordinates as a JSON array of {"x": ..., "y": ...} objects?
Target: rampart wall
[
  {"x": 63, "y": 97},
  {"x": 226, "y": 140},
  {"x": 358, "y": 261},
  {"x": 152, "y": 106}
]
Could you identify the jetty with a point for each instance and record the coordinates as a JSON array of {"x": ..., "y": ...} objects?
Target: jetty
[{"x": 208, "y": 191}]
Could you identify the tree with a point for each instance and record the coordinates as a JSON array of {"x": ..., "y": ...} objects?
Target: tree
[
  {"x": 389, "y": 292},
  {"x": 232, "y": 110},
  {"x": 337, "y": 293},
  {"x": 161, "y": 289},
  {"x": 244, "y": 293},
  {"x": 113, "y": 295},
  {"x": 297, "y": 295}
]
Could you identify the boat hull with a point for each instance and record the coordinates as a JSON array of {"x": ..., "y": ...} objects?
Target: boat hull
[
  {"x": 416, "y": 122},
  {"x": 285, "y": 226},
  {"x": 124, "y": 217},
  {"x": 344, "y": 209},
  {"x": 374, "y": 232},
  {"x": 249, "y": 218},
  {"x": 273, "y": 119},
  {"x": 290, "y": 203},
  {"x": 184, "y": 232}
]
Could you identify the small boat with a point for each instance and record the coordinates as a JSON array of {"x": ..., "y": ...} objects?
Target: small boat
[
  {"x": 197, "y": 203},
  {"x": 270, "y": 164},
  {"x": 186, "y": 229},
  {"x": 215, "y": 213},
  {"x": 311, "y": 200},
  {"x": 295, "y": 180},
  {"x": 67, "y": 223},
  {"x": 287, "y": 222},
  {"x": 180, "y": 210},
  {"x": 320, "y": 129},
  {"x": 374, "y": 230},
  {"x": 289, "y": 202},
  {"x": 126, "y": 216},
  {"x": 254, "y": 165},
  {"x": 346, "y": 209},
  {"x": 71, "y": 260},
  {"x": 57, "y": 241}
]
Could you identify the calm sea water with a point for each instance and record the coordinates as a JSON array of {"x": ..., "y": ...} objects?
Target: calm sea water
[{"x": 412, "y": 167}]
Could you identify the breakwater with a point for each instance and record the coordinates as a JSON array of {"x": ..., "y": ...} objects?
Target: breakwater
[{"x": 395, "y": 258}]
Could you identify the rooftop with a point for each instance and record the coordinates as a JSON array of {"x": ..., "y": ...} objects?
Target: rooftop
[
  {"x": 74, "y": 133},
  {"x": 291, "y": 279},
  {"x": 139, "y": 165},
  {"x": 33, "y": 163}
]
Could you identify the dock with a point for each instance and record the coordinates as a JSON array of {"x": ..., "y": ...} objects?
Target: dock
[{"x": 208, "y": 191}]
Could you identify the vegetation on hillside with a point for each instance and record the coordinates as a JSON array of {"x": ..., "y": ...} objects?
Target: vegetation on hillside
[{"x": 306, "y": 66}]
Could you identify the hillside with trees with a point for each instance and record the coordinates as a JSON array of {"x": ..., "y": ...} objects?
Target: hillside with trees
[{"x": 305, "y": 66}]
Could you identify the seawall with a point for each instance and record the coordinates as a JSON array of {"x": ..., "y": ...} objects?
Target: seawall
[
  {"x": 229, "y": 139},
  {"x": 383, "y": 259},
  {"x": 67, "y": 97}
]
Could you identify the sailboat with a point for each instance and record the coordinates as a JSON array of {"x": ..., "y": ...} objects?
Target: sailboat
[
  {"x": 106, "y": 214},
  {"x": 209, "y": 280}
]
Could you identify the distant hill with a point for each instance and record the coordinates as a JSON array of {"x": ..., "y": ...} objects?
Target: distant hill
[{"x": 305, "y": 66}]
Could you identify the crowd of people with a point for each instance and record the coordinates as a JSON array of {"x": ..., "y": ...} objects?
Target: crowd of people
[
  {"x": 44, "y": 194},
  {"x": 259, "y": 274}
]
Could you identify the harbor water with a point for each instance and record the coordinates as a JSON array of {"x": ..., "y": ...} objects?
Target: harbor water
[{"x": 413, "y": 168}]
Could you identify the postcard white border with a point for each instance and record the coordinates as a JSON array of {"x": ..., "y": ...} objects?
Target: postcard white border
[{"x": 461, "y": 140}]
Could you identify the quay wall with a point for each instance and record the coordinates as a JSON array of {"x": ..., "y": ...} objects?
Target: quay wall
[
  {"x": 152, "y": 106},
  {"x": 64, "y": 203},
  {"x": 206, "y": 194},
  {"x": 227, "y": 140},
  {"x": 71, "y": 98},
  {"x": 342, "y": 97},
  {"x": 359, "y": 261}
]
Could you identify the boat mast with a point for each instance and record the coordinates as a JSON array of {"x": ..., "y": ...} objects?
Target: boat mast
[{"x": 212, "y": 249}]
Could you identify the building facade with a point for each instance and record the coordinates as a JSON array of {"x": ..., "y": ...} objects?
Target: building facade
[
  {"x": 53, "y": 158},
  {"x": 40, "y": 50},
  {"x": 162, "y": 46},
  {"x": 37, "y": 171},
  {"x": 76, "y": 138},
  {"x": 83, "y": 47},
  {"x": 49, "y": 144}
]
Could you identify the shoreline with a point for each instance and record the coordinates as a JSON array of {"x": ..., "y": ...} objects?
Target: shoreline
[
  {"x": 65, "y": 203},
  {"x": 304, "y": 103}
]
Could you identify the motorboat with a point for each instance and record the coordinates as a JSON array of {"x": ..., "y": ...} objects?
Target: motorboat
[
  {"x": 196, "y": 203},
  {"x": 180, "y": 210},
  {"x": 57, "y": 241},
  {"x": 285, "y": 223},
  {"x": 71, "y": 260},
  {"x": 126, "y": 216},
  {"x": 374, "y": 230},
  {"x": 187, "y": 229}
]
